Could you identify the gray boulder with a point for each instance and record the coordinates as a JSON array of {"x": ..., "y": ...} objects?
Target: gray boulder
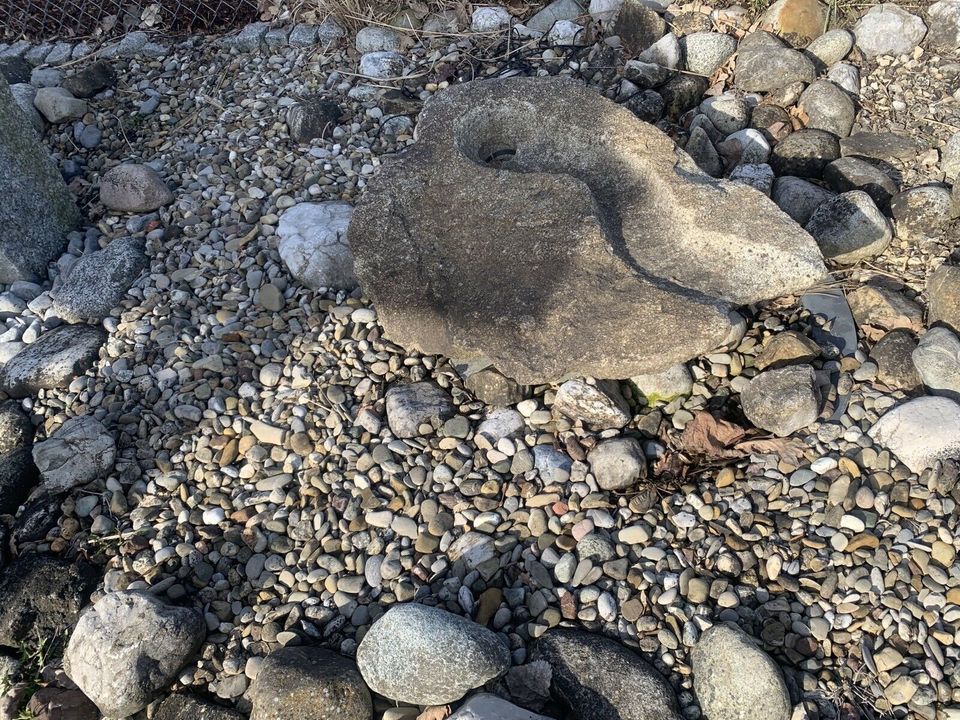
[
  {"x": 53, "y": 361},
  {"x": 849, "y": 228},
  {"x": 600, "y": 406},
  {"x": 313, "y": 117},
  {"x": 134, "y": 188},
  {"x": 41, "y": 596},
  {"x": 292, "y": 680},
  {"x": 937, "y": 359},
  {"x": 920, "y": 432},
  {"x": 36, "y": 209},
  {"x": 657, "y": 64},
  {"x": 23, "y": 97},
  {"x": 18, "y": 474},
  {"x": 638, "y": 26},
  {"x": 381, "y": 65},
  {"x": 187, "y": 707},
  {"x": 805, "y": 153},
  {"x": 893, "y": 355},
  {"x": 782, "y": 400},
  {"x": 88, "y": 81},
  {"x": 765, "y": 63},
  {"x": 885, "y": 147},
  {"x": 888, "y": 29},
  {"x": 411, "y": 405},
  {"x": 734, "y": 678},
  {"x": 427, "y": 656},
  {"x": 81, "y": 450},
  {"x": 846, "y": 77},
  {"x": 830, "y": 48},
  {"x": 600, "y": 679},
  {"x": 665, "y": 385},
  {"x": 798, "y": 197},
  {"x": 828, "y": 108},
  {"x": 58, "y": 105},
  {"x": 727, "y": 112},
  {"x": 313, "y": 244},
  {"x": 98, "y": 281},
  {"x": 127, "y": 647},
  {"x": 440, "y": 250},
  {"x": 618, "y": 463},
  {"x": 920, "y": 213},
  {"x": 706, "y": 52},
  {"x": 556, "y": 11}
]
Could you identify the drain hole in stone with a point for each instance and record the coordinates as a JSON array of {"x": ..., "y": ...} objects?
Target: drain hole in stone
[{"x": 497, "y": 155}]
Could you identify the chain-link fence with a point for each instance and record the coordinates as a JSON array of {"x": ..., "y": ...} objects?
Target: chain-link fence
[{"x": 62, "y": 19}]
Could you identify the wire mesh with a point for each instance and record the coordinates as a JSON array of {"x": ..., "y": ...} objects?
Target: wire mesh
[{"x": 63, "y": 19}]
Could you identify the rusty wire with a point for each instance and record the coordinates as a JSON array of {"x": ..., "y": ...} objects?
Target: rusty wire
[{"x": 67, "y": 19}]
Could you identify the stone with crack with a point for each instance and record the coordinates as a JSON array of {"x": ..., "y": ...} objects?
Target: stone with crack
[{"x": 544, "y": 227}]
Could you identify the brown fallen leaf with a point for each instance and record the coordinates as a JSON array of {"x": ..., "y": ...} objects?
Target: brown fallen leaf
[
  {"x": 438, "y": 712},
  {"x": 790, "y": 450},
  {"x": 707, "y": 436}
]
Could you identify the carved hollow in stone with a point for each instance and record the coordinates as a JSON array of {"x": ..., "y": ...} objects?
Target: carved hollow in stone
[{"x": 544, "y": 227}]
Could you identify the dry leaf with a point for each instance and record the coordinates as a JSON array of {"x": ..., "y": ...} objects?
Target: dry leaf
[
  {"x": 439, "y": 712},
  {"x": 707, "y": 436},
  {"x": 790, "y": 450}
]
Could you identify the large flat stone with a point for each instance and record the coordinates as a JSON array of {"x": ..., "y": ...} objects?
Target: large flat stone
[
  {"x": 36, "y": 209},
  {"x": 546, "y": 228}
]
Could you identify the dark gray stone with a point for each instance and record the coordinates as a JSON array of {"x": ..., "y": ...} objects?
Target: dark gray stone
[
  {"x": 681, "y": 93},
  {"x": 921, "y": 213},
  {"x": 41, "y": 596},
  {"x": 782, "y": 400},
  {"x": 411, "y": 405},
  {"x": 638, "y": 26},
  {"x": 734, "y": 678},
  {"x": 18, "y": 474},
  {"x": 98, "y": 281},
  {"x": 893, "y": 356},
  {"x": 937, "y": 359},
  {"x": 943, "y": 297},
  {"x": 600, "y": 679},
  {"x": 313, "y": 117},
  {"x": 90, "y": 80},
  {"x": 36, "y": 209},
  {"x": 618, "y": 463},
  {"x": 493, "y": 388},
  {"x": 805, "y": 153},
  {"x": 502, "y": 228},
  {"x": 293, "y": 679},
  {"x": 849, "y": 228},
  {"x": 427, "y": 656},
  {"x": 798, "y": 198},
  {"x": 187, "y": 707},
  {"x": 15, "y": 70},
  {"x": 852, "y": 173},
  {"x": 52, "y": 361}
]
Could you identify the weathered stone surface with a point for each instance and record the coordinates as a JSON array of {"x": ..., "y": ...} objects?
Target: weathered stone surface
[
  {"x": 798, "y": 22},
  {"x": 36, "y": 209},
  {"x": 943, "y": 296},
  {"x": 18, "y": 474},
  {"x": 428, "y": 656},
  {"x": 87, "y": 82},
  {"x": 98, "y": 281},
  {"x": 884, "y": 307},
  {"x": 23, "y": 97},
  {"x": 764, "y": 63},
  {"x": 798, "y": 197},
  {"x": 828, "y": 108},
  {"x": 888, "y": 29},
  {"x": 79, "y": 451},
  {"x": 134, "y": 188},
  {"x": 308, "y": 683},
  {"x": 830, "y": 48},
  {"x": 61, "y": 703},
  {"x": 313, "y": 117},
  {"x": 706, "y": 52},
  {"x": 598, "y": 406},
  {"x": 782, "y": 400},
  {"x": 943, "y": 19},
  {"x": 52, "y": 361},
  {"x": 920, "y": 213},
  {"x": 787, "y": 348},
  {"x": 618, "y": 463},
  {"x": 893, "y": 355},
  {"x": 313, "y": 244},
  {"x": 494, "y": 388},
  {"x": 127, "y": 647},
  {"x": 57, "y": 105},
  {"x": 850, "y": 228},
  {"x": 41, "y": 596},
  {"x": 603, "y": 680},
  {"x": 887, "y": 147},
  {"x": 733, "y": 678},
  {"x": 638, "y": 26},
  {"x": 524, "y": 169},
  {"x": 920, "y": 432},
  {"x": 411, "y": 405},
  {"x": 805, "y": 153},
  {"x": 186, "y": 707},
  {"x": 937, "y": 359},
  {"x": 665, "y": 385}
]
